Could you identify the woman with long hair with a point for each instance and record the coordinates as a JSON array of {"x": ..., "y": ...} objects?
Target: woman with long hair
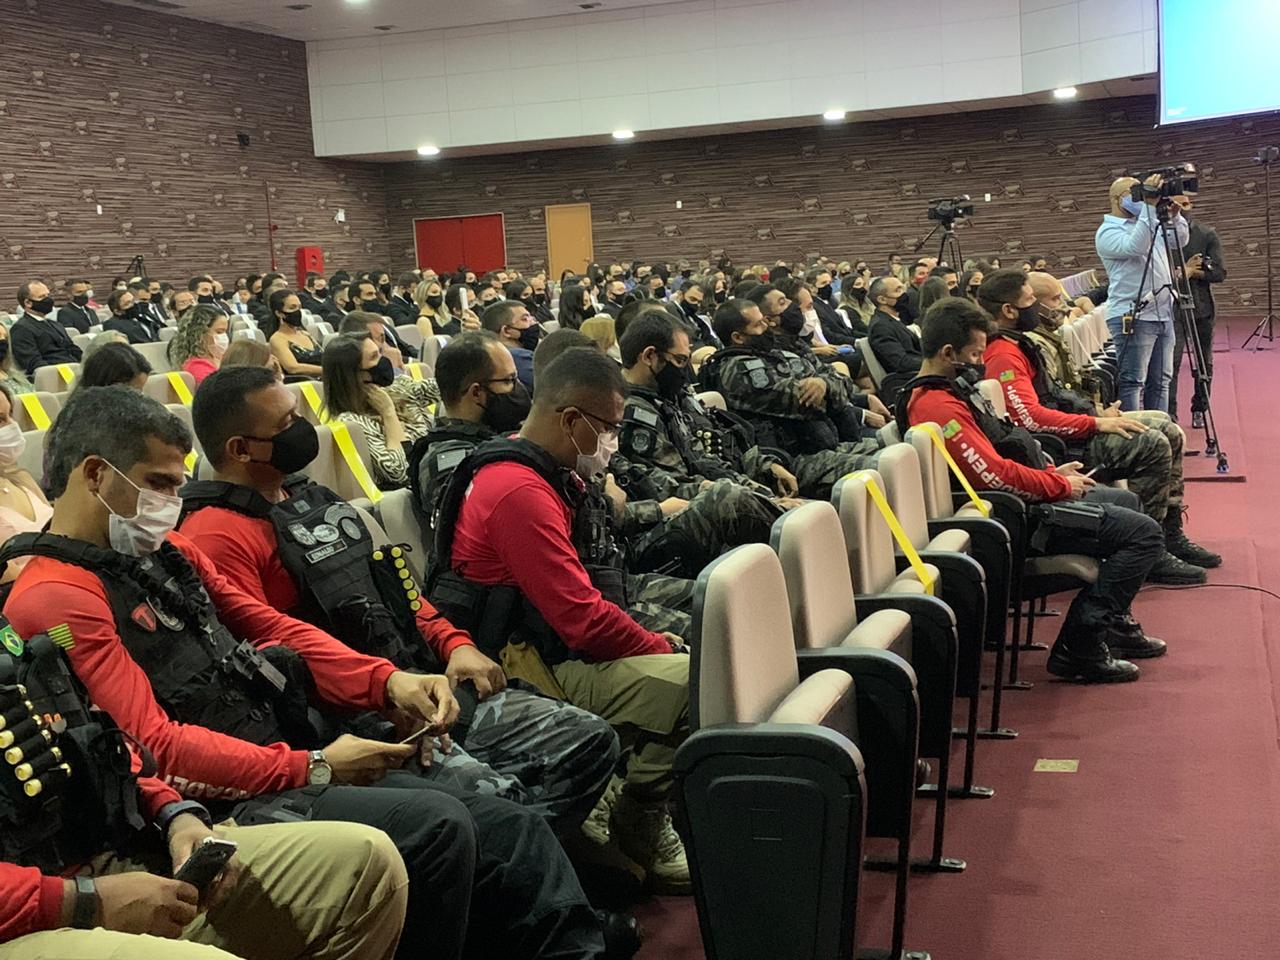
[
  {"x": 970, "y": 281},
  {"x": 11, "y": 374},
  {"x": 855, "y": 303},
  {"x": 361, "y": 387},
  {"x": 23, "y": 507},
  {"x": 291, "y": 345},
  {"x": 251, "y": 353},
  {"x": 115, "y": 365},
  {"x": 931, "y": 291},
  {"x": 433, "y": 315},
  {"x": 200, "y": 342},
  {"x": 575, "y": 306}
]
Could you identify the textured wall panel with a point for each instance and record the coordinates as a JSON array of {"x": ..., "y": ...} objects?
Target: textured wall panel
[
  {"x": 139, "y": 112},
  {"x": 860, "y": 190}
]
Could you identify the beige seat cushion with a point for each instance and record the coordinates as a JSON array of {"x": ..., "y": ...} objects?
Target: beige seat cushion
[
  {"x": 825, "y": 698},
  {"x": 955, "y": 541},
  {"x": 969, "y": 510},
  {"x": 906, "y": 585},
  {"x": 1063, "y": 564},
  {"x": 883, "y": 630}
]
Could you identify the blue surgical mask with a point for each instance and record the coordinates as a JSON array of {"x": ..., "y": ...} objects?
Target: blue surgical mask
[{"x": 1131, "y": 206}]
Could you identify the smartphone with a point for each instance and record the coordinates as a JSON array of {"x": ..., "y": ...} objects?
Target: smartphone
[{"x": 206, "y": 862}]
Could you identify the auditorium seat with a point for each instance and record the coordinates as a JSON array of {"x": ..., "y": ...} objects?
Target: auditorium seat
[
  {"x": 992, "y": 393},
  {"x": 56, "y": 377},
  {"x": 770, "y": 784},
  {"x": 330, "y": 467},
  {"x": 410, "y": 334},
  {"x": 431, "y": 347},
  {"x": 32, "y": 410},
  {"x": 874, "y": 366},
  {"x": 550, "y": 326},
  {"x": 167, "y": 334},
  {"x": 395, "y": 511},
  {"x": 32, "y": 459},
  {"x": 183, "y": 413},
  {"x": 82, "y": 340},
  {"x": 713, "y": 398},
  {"x": 163, "y": 388},
  {"x": 157, "y": 355},
  {"x": 310, "y": 394}
]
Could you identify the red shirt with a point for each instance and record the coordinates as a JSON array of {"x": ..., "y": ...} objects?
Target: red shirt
[
  {"x": 1009, "y": 366},
  {"x": 244, "y": 550},
  {"x": 197, "y": 761},
  {"x": 514, "y": 529},
  {"x": 974, "y": 454}
]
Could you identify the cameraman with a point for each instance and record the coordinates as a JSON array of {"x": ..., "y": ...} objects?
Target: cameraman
[
  {"x": 1205, "y": 265},
  {"x": 1140, "y": 301}
]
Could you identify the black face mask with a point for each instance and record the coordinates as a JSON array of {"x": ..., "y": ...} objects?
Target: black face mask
[
  {"x": 204, "y": 298},
  {"x": 4, "y": 350},
  {"x": 1028, "y": 318},
  {"x": 973, "y": 290},
  {"x": 971, "y": 373},
  {"x": 903, "y": 304},
  {"x": 824, "y": 291},
  {"x": 673, "y": 381},
  {"x": 293, "y": 447},
  {"x": 506, "y": 411},
  {"x": 369, "y": 305},
  {"x": 386, "y": 290},
  {"x": 692, "y": 309},
  {"x": 660, "y": 293},
  {"x": 530, "y": 336},
  {"x": 321, "y": 293},
  {"x": 588, "y": 311},
  {"x": 721, "y": 296},
  {"x": 293, "y": 318},
  {"x": 860, "y": 294},
  {"x": 792, "y": 322},
  {"x": 434, "y": 302},
  {"x": 80, "y": 299},
  {"x": 539, "y": 298},
  {"x": 134, "y": 312},
  {"x": 42, "y": 306},
  {"x": 761, "y": 341},
  {"x": 382, "y": 374}
]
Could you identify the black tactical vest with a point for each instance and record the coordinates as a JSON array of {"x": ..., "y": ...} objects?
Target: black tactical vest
[
  {"x": 445, "y": 446},
  {"x": 795, "y": 437},
  {"x": 200, "y": 674},
  {"x": 366, "y": 598},
  {"x": 639, "y": 433},
  {"x": 1011, "y": 442},
  {"x": 1047, "y": 391},
  {"x": 496, "y": 614},
  {"x": 67, "y": 788}
]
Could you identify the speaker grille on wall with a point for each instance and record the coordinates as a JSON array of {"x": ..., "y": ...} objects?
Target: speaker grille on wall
[{"x": 242, "y": 139}]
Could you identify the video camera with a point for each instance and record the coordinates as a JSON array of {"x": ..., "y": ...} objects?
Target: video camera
[
  {"x": 950, "y": 209},
  {"x": 1177, "y": 180}
]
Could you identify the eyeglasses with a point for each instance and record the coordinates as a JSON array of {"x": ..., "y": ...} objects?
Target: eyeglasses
[
  {"x": 678, "y": 359},
  {"x": 612, "y": 425},
  {"x": 509, "y": 381}
]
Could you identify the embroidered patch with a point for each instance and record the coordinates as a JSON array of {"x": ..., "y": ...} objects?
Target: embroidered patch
[
  {"x": 951, "y": 429},
  {"x": 1006, "y": 376},
  {"x": 144, "y": 617},
  {"x": 12, "y": 642}
]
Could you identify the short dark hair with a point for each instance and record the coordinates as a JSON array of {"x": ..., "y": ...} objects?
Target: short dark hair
[
  {"x": 554, "y": 344},
  {"x": 744, "y": 286},
  {"x": 778, "y": 272},
  {"x": 113, "y": 423},
  {"x": 72, "y": 281},
  {"x": 876, "y": 290},
  {"x": 730, "y": 319},
  {"x": 357, "y": 321},
  {"x": 463, "y": 361},
  {"x": 654, "y": 329},
  {"x": 407, "y": 279},
  {"x": 112, "y": 364},
  {"x": 353, "y": 289},
  {"x": 196, "y": 281},
  {"x": 761, "y": 290},
  {"x": 500, "y": 313},
  {"x": 220, "y": 408},
  {"x": 311, "y": 279},
  {"x": 24, "y": 291},
  {"x": 453, "y": 296},
  {"x": 951, "y": 320},
  {"x": 942, "y": 269},
  {"x": 114, "y": 298},
  {"x": 1001, "y": 287},
  {"x": 575, "y": 373},
  {"x": 631, "y": 311}
]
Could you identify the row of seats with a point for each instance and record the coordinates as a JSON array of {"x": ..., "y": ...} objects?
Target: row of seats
[{"x": 34, "y": 411}]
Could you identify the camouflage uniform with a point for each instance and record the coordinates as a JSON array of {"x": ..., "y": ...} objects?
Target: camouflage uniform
[{"x": 763, "y": 386}]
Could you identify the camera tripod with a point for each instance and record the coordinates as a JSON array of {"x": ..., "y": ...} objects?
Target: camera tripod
[
  {"x": 1184, "y": 317},
  {"x": 1266, "y": 326},
  {"x": 947, "y": 245},
  {"x": 137, "y": 268}
]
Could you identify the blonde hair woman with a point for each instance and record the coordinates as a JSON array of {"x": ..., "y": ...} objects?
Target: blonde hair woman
[
  {"x": 432, "y": 313},
  {"x": 10, "y": 375},
  {"x": 601, "y": 329}
]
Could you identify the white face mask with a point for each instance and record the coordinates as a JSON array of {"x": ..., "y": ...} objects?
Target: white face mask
[
  {"x": 592, "y": 465},
  {"x": 12, "y": 443},
  {"x": 144, "y": 532},
  {"x": 221, "y": 341},
  {"x": 810, "y": 322}
]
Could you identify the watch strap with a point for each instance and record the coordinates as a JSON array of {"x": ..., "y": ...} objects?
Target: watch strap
[
  {"x": 166, "y": 814},
  {"x": 84, "y": 912}
]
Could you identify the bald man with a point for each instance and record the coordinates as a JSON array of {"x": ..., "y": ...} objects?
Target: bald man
[{"x": 1138, "y": 291}]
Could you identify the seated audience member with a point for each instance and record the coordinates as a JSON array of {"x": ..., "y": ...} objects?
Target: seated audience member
[
  {"x": 799, "y": 327},
  {"x": 856, "y": 304},
  {"x": 931, "y": 291},
  {"x": 360, "y": 322},
  {"x": 361, "y": 387},
  {"x": 77, "y": 315},
  {"x": 293, "y": 347},
  {"x": 251, "y": 353},
  {"x": 183, "y": 300},
  {"x": 477, "y": 871},
  {"x": 151, "y": 318},
  {"x": 1099, "y": 625},
  {"x": 507, "y": 518},
  {"x": 239, "y": 301},
  {"x": 602, "y": 332},
  {"x": 893, "y": 343},
  {"x": 821, "y": 291},
  {"x": 1145, "y": 451},
  {"x": 314, "y": 296},
  {"x": 10, "y": 375},
  {"x": 969, "y": 283},
  {"x": 114, "y": 364},
  {"x": 100, "y": 340},
  {"x": 517, "y": 330},
  {"x": 615, "y": 296},
  {"x": 23, "y": 507},
  {"x": 127, "y": 318},
  {"x": 486, "y": 297},
  {"x": 689, "y": 305},
  {"x": 947, "y": 274},
  {"x": 433, "y": 315},
  {"x": 400, "y": 307},
  {"x": 459, "y": 300},
  {"x": 794, "y": 405},
  {"x": 575, "y": 306},
  {"x": 39, "y": 339},
  {"x": 200, "y": 342}
]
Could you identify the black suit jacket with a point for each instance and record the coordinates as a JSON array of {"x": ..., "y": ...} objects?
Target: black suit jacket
[
  {"x": 325, "y": 309},
  {"x": 402, "y": 311},
  {"x": 79, "y": 319},
  {"x": 37, "y": 343},
  {"x": 896, "y": 347},
  {"x": 1204, "y": 241},
  {"x": 833, "y": 327},
  {"x": 138, "y": 331}
]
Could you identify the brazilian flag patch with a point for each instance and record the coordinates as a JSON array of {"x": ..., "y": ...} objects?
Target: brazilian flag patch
[
  {"x": 12, "y": 642},
  {"x": 1006, "y": 376},
  {"x": 951, "y": 429}
]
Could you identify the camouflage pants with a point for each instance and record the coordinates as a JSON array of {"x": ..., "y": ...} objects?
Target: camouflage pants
[
  {"x": 660, "y": 603},
  {"x": 1151, "y": 461},
  {"x": 544, "y": 754},
  {"x": 817, "y": 473},
  {"x": 723, "y": 516}
]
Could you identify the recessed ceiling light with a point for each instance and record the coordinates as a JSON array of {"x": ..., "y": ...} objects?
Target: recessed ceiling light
[
  {"x": 833, "y": 115},
  {"x": 623, "y": 134},
  {"x": 428, "y": 150},
  {"x": 1064, "y": 93}
]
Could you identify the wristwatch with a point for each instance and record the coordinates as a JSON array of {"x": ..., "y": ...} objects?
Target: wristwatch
[
  {"x": 84, "y": 913},
  {"x": 170, "y": 811},
  {"x": 319, "y": 772}
]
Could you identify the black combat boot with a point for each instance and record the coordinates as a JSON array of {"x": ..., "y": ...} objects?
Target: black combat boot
[
  {"x": 1081, "y": 652},
  {"x": 1176, "y": 542},
  {"x": 1124, "y": 638}
]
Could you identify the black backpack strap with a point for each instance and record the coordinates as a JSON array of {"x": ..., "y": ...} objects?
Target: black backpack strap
[
  {"x": 933, "y": 382},
  {"x": 198, "y": 494}
]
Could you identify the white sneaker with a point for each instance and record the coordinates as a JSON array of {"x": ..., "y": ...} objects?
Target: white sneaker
[{"x": 647, "y": 835}]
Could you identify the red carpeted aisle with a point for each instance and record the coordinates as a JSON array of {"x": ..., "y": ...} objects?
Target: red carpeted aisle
[{"x": 1165, "y": 845}]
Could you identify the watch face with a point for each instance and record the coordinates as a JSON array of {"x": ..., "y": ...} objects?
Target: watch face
[{"x": 319, "y": 772}]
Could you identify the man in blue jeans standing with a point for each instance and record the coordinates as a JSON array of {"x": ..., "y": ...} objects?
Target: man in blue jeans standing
[{"x": 1141, "y": 291}]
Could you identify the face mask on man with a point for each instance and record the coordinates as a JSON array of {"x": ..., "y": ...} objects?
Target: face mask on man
[
  {"x": 205, "y": 298},
  {"x": 970, "y": 373},
  {"x": 530, "y": 336},
  {"x": 134, "y": 312},
  {"x": 672, "y": 381},
  {"x": 42, "y": 306},
  {"x": 902, "y": 304},
  {"x": 143, "y": 533},
  {"x": 760, "y": 341},
  {"x": 692, "y": 309},
  {"x": 505, "y": 412},
  {"x": 660, "y": 293},
  {"x": 320, "y": 293},
  {"x": 1131, "y": 206},
  {"x": 369, "y": 305},
  {"x": 293, "y": 447},
  {"x": 12, "y": 441},
  {"x": 591, "y": 465},
  {"x": 1028, "y": 317},
  {"x": 824, "y": 291},
  {"x": 80, "y": 299}
]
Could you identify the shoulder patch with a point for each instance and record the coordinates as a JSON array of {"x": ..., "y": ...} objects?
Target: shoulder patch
[
  {"x": 12, "y": 642},
  {"x": 642, "y": 415},
  {"x": 951, "y": 429},
  {"x": 449, "y": 459},
  {"x": 1007, "y": 375},
  {"x": 753, "y": 363}
]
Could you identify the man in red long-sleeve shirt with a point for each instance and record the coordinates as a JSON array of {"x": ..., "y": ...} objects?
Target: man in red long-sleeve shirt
[
  {"x": 1099, "y": 624},
  {"x": 514, "y": 529},
  {"x": 1121, "y": 446}
]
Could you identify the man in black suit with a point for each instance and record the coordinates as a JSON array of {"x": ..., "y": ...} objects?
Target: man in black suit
[
  {"x": 77, "y": 314},
  {"x": 38, "y": 338},
  {"x": 145, "y": 313},
  {"x": 315, "y": 297},
  {"x": 1205, "y": 266},
  {"x": 893, "y": 343},
  {"x": 401, "y": 306},
  {"x": 156, "y": 291},
  {"x": 127, "y": 317}
]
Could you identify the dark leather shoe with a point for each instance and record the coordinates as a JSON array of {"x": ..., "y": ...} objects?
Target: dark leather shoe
[
  {"x": 622, "y": 935},
  {"x": 1176, "y": 572},
  {"x": 1124, "y": 638},
  {"x": 1187, "y": 550},
  {"x": 1095, "y": 666}
]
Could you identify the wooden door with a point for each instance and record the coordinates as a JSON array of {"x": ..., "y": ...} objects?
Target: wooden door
[{"x": 569, "y": 244}]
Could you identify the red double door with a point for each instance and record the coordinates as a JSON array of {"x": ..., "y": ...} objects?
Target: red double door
[{"x": 444, "y": 243}]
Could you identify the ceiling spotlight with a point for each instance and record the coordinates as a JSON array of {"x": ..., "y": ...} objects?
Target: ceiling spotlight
[
  {"x": 1064, "y": 93},
  {"x": 833, "y": 115},
  {"x": 428, "y": 150},
  {"x": 623, "y": 134}
]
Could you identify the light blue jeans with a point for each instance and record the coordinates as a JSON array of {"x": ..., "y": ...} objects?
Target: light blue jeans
[{"x": 1145, "y": 361}]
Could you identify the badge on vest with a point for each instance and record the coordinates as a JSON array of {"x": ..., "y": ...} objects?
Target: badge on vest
[
  {"x": 12, "y": 642},
  {"x": 758, "y": 375}
]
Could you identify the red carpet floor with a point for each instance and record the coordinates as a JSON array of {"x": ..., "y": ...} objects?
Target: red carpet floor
[{"x": 1165, "y": 845}]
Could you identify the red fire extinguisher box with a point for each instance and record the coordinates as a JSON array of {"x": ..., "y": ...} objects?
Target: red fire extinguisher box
[{"x": 309, "y": 260}]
